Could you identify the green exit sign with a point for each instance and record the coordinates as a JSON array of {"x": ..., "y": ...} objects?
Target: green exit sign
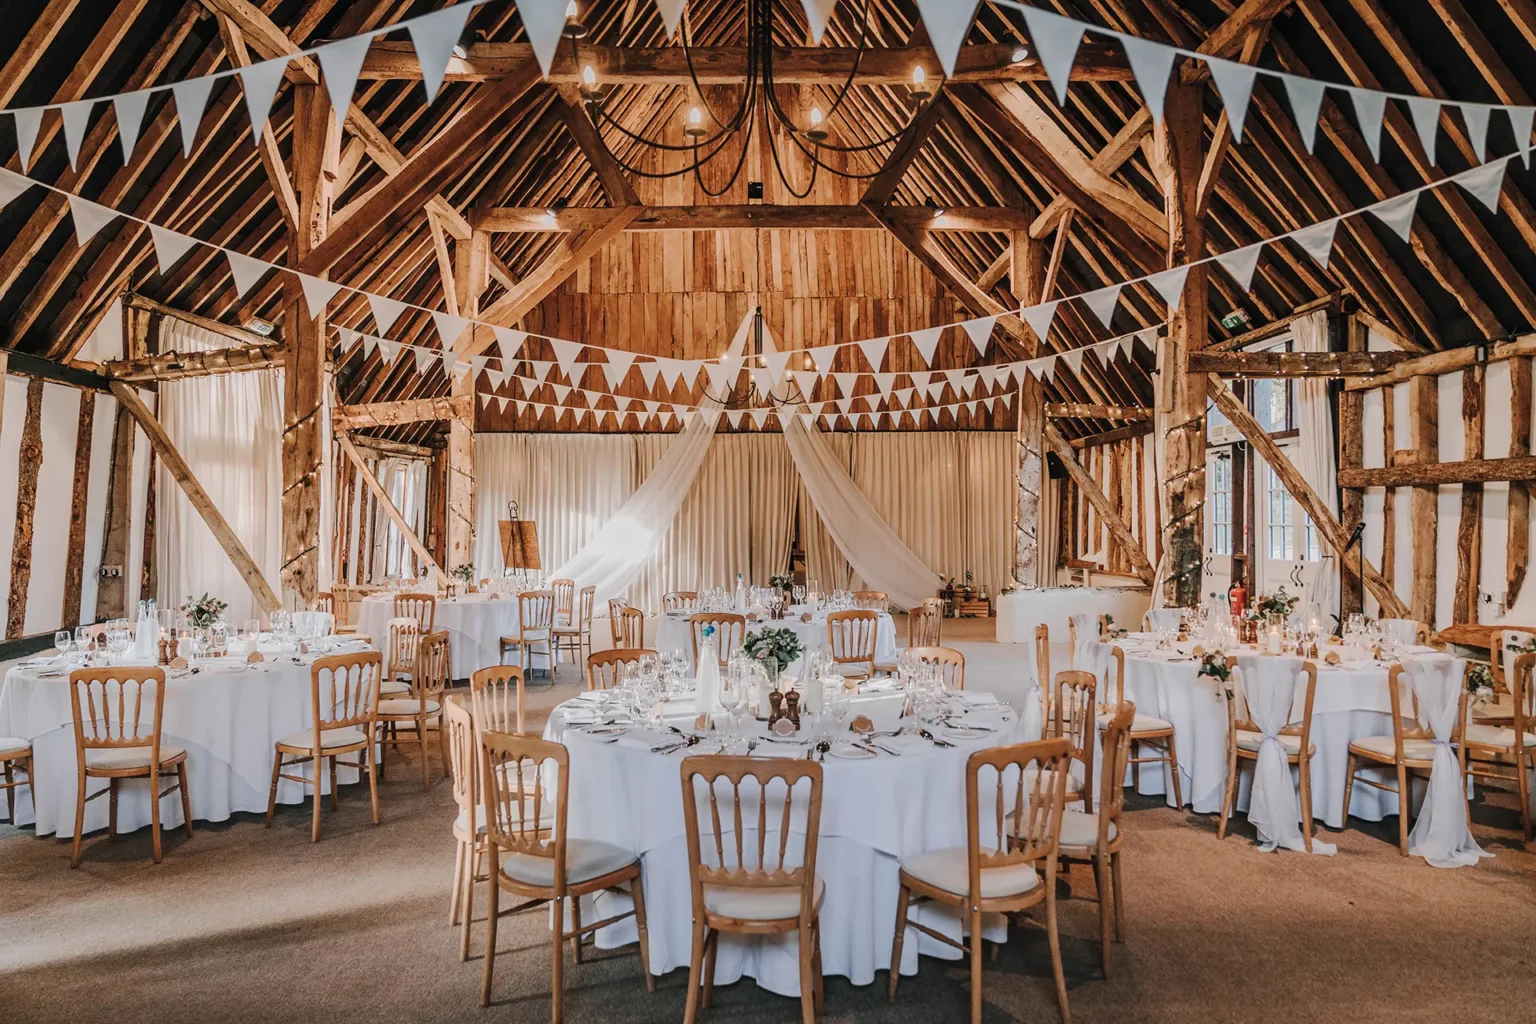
[{"x": 1236, "y": 318}]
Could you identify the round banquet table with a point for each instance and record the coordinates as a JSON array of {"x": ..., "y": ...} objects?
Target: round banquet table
[
  {"x": 1020, "y": 611},
  {"x": 475, "y": 624},
  {"x": 228, "y": 714},
  {"x": 672, "y": 632},
  {"x": 874, "y": 813},
  {"x": 1352, "y": 701}
]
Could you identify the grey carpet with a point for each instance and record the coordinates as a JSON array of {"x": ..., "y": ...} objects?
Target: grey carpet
[{"x": 244, "y": 923}]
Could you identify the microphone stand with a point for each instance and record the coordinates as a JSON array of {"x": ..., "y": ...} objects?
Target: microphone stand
[{"x": 1358, "y": 537}]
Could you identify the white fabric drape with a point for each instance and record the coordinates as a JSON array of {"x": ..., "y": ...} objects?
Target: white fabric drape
[
  {"x": 1315, "y": 459},
  {"x": 1441, "y": 835},
  {"x": 228, "y": 427},
  {"x": 1048, "y": 528},
  {"x": 1267, "y": 686},
  {"x": 870, "y": 545}
]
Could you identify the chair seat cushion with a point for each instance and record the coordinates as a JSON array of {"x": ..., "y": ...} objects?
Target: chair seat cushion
[
  {"x": 130, "y": 757},
  {"x": 766, "y": 904},
  {"x": 406, "y": 706},
  {"x": 393, "y": 686},
  {"x": 1248, "y": 740},
  {"x": 11, "y": 747},
  {"x": 1382, "y": 749},
  {"x": 1487, "y": 735},
  {"x": 1141, "y": 723},
  {"x": 1073, "y": 786},
  {"x": 585, "y": 859},
  {"x": 330, "y": 739},
  {"x": 948, "y": 869},
  {"x": 1079, "y": 830}
]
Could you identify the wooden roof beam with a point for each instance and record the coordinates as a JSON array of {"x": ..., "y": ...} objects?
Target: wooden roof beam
[{"x": 499, "y": 219}]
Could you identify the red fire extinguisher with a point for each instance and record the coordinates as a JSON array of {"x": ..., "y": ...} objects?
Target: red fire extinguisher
[{"x": 1237, "y": 598}]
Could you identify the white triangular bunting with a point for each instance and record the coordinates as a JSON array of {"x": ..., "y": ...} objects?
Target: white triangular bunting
[
  {"x": 191, "y": 97},
  {"x": 721, "y": 378},
  {"x": 1426, "y": 119},
  {"x": 435, "y": 35},
  {"x": 317, "y": 292},
  {"x": 760, "y": 417},
  {"x": 246, "y": 270},
  {"x": 424, "y": 358},
  {"x": 541, "y": 368},
  {"x": 968, "y": 384},
  {"x": 1170, "y": 285},
  {"x": 508, "y": 341},
  {"x": 449, "y": 327},
  {"x": 617, "y": 366},
  {"x": 776, "y": 363},
  {"x": 28, "y": 121},
  {"x": 348, "y": 338},
  {"x": 733, "y": 417},
  {"x": 565, "y": 354},
  {"x": 671, "y": 14},
  {"x": 1240, "y": 263},
  {"x": 1073, "y": 358},
  {"x": 763, "y": 380},
  {"x": 927, "y": 342},
  {"x": 1235, "y": 83},
  {"x": 11, "y": 186},
  {"x": 385, "y": 312},
  {"x": 89, "y": 218},
  {"x": 1485, "y": 182},
  {"x": 845, "y": 382},
  {"x": 340, "y": 63},
  {"x": 1477, "y": 115},
  {"x": 1397, "y": 213},
  {"x": 260, "y": 82},
  {"x": 874, "y": 351},
  {"x": 805, "y": 380},
  {"x": 649, "y": 372},
  {"x": 1056, "y": 40},
  {"x": 170, "y": 246},
  {"x": 1039, "y": 317},
  {"x": 1103, "y": 302},
  {"x": 948, "y": 22},
  {"x": 1317, "y": 240},
  {"x": 1520, "y": 119},
  {"x": 129, "y": 108},
  {"x": 450, "y": 360},
  {"x": 388, "y": 350},
  {"x": 1151, "y": 63},
  {"x": 77, "y": 117},
  {"x": 1370, "y": 105},
  {"x": 822, "y": 357},
  {"x": 817, "y": 14},
  {"x": 979, "y": 331},
  {"x": 885, "y": 381},
  {"x": 1306, "y": 96}
]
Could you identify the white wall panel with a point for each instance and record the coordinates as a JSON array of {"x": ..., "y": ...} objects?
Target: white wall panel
[
  {"x": 55, "y": 492},
  {"x": 96, "y": 501},
  {"x": 10, "y": 461}
]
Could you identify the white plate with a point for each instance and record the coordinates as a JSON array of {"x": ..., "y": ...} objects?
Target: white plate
[{"x": 849, "y": 752}]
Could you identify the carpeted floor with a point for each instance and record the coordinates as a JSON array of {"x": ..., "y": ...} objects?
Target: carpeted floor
[{"x": 244, "y": 923}]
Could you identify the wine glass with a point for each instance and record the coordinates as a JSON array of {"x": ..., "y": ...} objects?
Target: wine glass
[
  {"x": 839, "y": 704},
  {"x": 64, "y": 640},
  {"x": 732, "y": 696},
  {"x": 83, "y": 639}
]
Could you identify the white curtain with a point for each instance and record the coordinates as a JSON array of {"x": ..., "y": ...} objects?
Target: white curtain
[
  {"x": 1315, "y": 459},
  {"x": 1441, "y": 835},
  {"x": 229, "y": 429},
  {"x": 1268, "y": 687},
  {"x": 871, "y": 546}
]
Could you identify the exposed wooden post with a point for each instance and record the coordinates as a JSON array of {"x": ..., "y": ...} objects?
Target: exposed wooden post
[
  {"x": 201, "y": 502},
  {"x": 316, "y": 147},
  {"x": 372, "y": 482},
  {"x": 471, "y": 268},
  {"x": 1469, "y": 531},
  {"x": 1108, "y": 514},
  {"x": 1333, "y": 534},
  {"x": 1182, "y": 393},
  {"x": 74, "y": 555},
  {"x": 28, "y": 461},
  {"x": 111, "y": 591},
  {"x": 1517, "y": 550},
  {"x": 1029, "y": 564},
  {"x": 1424, "y": 422},
  {"x": 1352, "y": 456}
]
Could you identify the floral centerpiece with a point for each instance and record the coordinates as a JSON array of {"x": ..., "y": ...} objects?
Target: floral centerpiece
[
  {"x": 1279, "y": 603},
  {"x": 1214, "y": 665},
  {"x": 464, "y": 572},
  {"x": 1112, "y": 631},
  {"x": 782, "y": 582},
  {"x": 774, "y": 649},
  {"x": 1480, "y": 680},
  {"x": 203, "y": 612}
]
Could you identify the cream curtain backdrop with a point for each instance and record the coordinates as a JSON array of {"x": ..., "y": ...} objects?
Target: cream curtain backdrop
[
  {"x": 229, "y": 428},
  {"x": 1315, "y": 459},
  {"x": 739, "y": 514}
]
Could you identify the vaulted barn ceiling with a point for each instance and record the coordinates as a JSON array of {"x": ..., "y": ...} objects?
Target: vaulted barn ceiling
[{"x": 1071, "y": 191}]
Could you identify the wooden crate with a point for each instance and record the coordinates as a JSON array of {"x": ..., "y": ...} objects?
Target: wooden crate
[{"x": 973, "y": 609}]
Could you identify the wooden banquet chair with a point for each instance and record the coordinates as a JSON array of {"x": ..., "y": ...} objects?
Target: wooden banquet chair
[
  {"x": 1008, "y": 864},
  {"x": 1155, "y": 619},
  {"x": 1410, "y": 747},
  {"x": 730, "y": 632},
  {"x": 344, "y": 711},
  {"x": 532, "y": 858},
  {"x": 118, "y": 713},
  {"x": 496, "y": 698},
  {"x": 1146, "y": 731},
  {"x": 852, "y": 637},
  {"x": 616, "y": 606},
  {"x": 535, "y": 625},
  {"x": 743, "y": 891},
  {"x": 421, "y": 607},
  {"x": 628, "y": 629},
  {"x": 603, "y": 666},
  {"x": 1096, "y": 838},
  {"x": 925, "y": 624},
  {"x": 1073, "y": 718},
  {"x": 950, "y": 661},
  {"x": 1495, "y": 750},
  {"x": 1406, "y": 631},
  {"x": 1083, "y": 622},
  {"x": 1043, "y": 675},
  {"x": 341, "y": 609},
  {"x": 1244, "y": 738},
  {"x": 575, "y": 635},
  {"x": 16, "y": 756},
  {"x": 565, "y": 600},
  {"x": 680, "y": 600},
  {"x": 871, "y": 600},
  {"x": 1501, "y": 659},
  {"x": 424, "y": 706},
  {"x": 402, "y": 635},
  {"x": 469, "y": 825}
]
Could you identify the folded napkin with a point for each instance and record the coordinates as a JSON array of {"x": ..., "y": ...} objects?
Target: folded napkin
[
  {"x": 645, "y": 739},
  {"x": 880, "y": 684},
  {"x": 588, "y": 697},
  {"x": 573, "y": 716},
  {"x": 789, "y": 751},
  {"x": 973, "y": 698}
]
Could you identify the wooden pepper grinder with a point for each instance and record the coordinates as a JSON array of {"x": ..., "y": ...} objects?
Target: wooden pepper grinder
[
  {"x": 165, "y": 657},
  {"x": 792, "y": 699},
  {"x": 776, "y": 702}
]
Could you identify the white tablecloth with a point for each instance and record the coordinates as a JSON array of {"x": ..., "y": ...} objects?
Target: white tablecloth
[
  {"x": 1350, "y": 703},
  {"x": 475, "y": 626},
  {"x": 228, "y": 715},
  {"x": 1019, "y": 612},
  {"x": 874, "y": 812},
  {"x": 672, "y": 633}
]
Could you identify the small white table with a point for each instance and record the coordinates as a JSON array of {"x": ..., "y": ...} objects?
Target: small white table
[
  {"x": 672, "y": 632},
  {"x": 1019, "y": 612},
  {"x": 228, "y": 714}
]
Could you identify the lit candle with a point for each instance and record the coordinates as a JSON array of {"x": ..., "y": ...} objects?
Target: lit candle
[{"x": 1273, "y": 644}]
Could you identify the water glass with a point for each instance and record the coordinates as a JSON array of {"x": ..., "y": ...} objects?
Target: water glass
[{"x": 64, "y": 640}]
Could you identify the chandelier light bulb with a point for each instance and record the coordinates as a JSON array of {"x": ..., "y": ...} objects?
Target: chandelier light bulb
[
  {"x": 815, "y": 116},
  {"x": 919, "y": 92},
  {"x": 571, "y": 11},
  {"x": 588, "y": 76},
  {"x": 919, "y": 77},
  {"x": 695, "y": 126}
]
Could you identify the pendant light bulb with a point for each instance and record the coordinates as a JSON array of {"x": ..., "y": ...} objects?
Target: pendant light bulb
[
  {"x": 816, "y": 133},
  {"x": 695, "y": 127}
]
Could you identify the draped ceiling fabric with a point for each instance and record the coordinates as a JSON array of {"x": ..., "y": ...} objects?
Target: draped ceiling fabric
[
  {"x": 868, "y": 542},
  {"x": 229, "y": 428},
  {"x": 1315, "y": 459}
]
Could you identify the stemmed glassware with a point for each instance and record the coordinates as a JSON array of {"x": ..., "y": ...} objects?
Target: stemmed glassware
[
  {"x": 732, "y": 697},
  {"x": 64, "y": 640}
]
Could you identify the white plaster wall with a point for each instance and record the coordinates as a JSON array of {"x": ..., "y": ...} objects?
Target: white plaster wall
[
  {"x": 50, "y": 526},
  {"x": 10, "y": 451}
]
